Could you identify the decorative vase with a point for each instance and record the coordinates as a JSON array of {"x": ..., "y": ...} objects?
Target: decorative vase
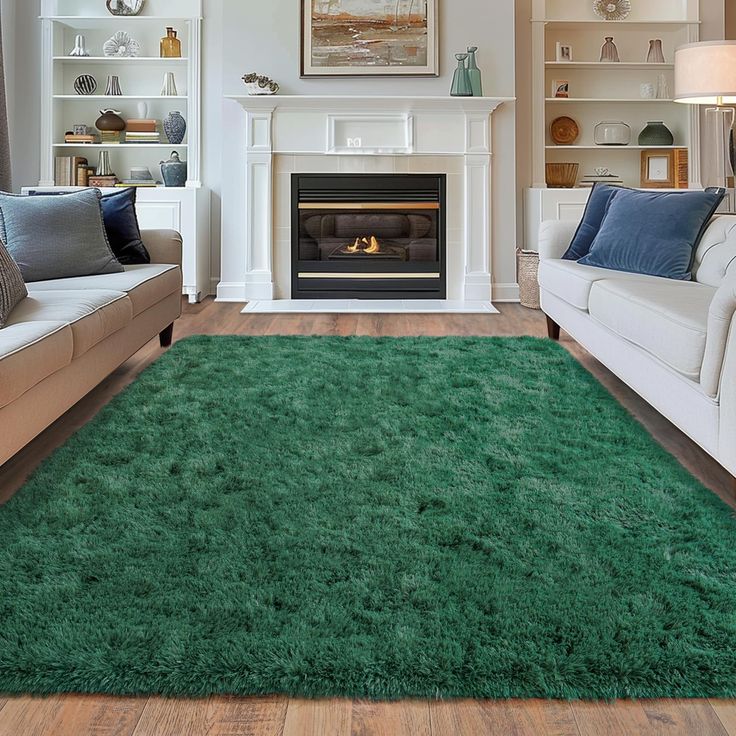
[
  {"x": 85, "y": 84},
  {"x": 461, "y": 86},
  {"x": 110, "y": 120},
  {"x": 612, "y": 133},
  {"x": 170, "y": 45},
  {"x": 647, "y": 91},
  {"x": 113, "y": 86},
  {"x": 663, "y": 88},
  {"x": 125, "y": 7},
  {"x": 656, "y": 134},
  {"x": 476, "y": 81},
  {"x": 80, "y": 47},
  {"x": 142, "y": 108},
  {"x": 609, "y": 52},
  {"x": 174, "y": 171},
  {"x": 104, "y": 168},
  {"x": 169, "y": 87},
  {"x": 655, "y": 55},
  {"x": 175, "y": 127}
]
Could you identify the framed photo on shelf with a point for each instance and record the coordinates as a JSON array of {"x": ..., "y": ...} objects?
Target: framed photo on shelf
[
  {"x": 561, "y": 88},
  {"x": 658, "y": 169},
  {"x": 564, "y": 52},
  {"x": 365, "y": 38}
]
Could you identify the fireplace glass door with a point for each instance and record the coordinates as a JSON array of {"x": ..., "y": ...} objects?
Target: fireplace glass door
[{"x": 369, "y": 237}]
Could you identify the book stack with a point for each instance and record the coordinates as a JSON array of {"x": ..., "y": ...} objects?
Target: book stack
[
  {"x": 68, "y": 170},
  {"x": 109, "y": 136},
  {"x": 142, "y": 131},
  {"x": 80, "y": 139},
  {"x": 591, "y": 179}
]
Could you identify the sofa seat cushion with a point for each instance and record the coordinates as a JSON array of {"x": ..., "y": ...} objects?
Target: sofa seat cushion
[
  {"x": 668, "y": 319},
  {"x": 31, "y": 352},
  {"x": 572, "y": 282},
  {"x": 92, "y": 314},
  {"x": 146, "y": 285}
]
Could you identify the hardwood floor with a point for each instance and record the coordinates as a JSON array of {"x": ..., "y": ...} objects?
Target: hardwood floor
[{"x": 79, "y": 715}]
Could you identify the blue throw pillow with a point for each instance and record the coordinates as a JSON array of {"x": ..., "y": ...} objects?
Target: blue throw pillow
[
  {"x": 653, "y": 233},
  {"x": 589, "y": 226},
  {"x": 121, "y": 224}
]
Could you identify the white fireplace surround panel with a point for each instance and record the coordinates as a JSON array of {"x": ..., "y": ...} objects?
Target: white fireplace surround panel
[{"x": 357, "y": 134}]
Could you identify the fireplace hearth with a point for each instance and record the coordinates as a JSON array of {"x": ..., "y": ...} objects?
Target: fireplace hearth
[{"x": 369, "y": 236}]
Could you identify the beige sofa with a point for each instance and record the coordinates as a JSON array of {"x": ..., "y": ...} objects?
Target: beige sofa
[{"x": 70, "y": 334}]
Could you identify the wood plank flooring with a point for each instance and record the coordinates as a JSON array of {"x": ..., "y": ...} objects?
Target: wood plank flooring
[{"x": 80, "y": 715}]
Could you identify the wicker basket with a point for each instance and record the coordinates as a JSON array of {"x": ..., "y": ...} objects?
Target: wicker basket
[{"x": 528, "y": 265}]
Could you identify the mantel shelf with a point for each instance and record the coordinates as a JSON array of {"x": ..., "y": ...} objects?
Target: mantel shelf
[
  {"x": 80, "y": 98},
  {"x": 363, "y": 104},
  {"x": 611, "y": 148}
]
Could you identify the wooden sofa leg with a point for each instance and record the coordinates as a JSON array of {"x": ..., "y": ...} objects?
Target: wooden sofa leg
[
  {"x": 167, "y": 336},
  {"x": 553, "y": 329}
]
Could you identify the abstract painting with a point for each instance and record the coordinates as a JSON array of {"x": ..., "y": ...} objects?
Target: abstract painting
[{"x": 369, "y": 38}]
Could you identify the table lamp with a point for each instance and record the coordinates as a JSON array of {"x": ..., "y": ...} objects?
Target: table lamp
[{"x": 705, "y": 74}]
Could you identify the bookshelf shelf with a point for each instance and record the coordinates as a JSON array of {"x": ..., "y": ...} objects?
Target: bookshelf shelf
[{"x": 187, "y": 209}]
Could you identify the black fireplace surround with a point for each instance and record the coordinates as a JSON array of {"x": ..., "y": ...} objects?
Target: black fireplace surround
[{"x": 369, "y": 236}]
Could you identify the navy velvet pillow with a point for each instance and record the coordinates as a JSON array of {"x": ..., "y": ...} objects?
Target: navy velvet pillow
[
  {"x": 654, "y": 233},
  {"x": 121, "y": 224},
  {"x": 595, "y": 211}
]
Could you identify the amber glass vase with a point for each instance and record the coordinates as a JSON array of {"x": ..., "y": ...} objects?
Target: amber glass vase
[{"x": 170, "y": 45}]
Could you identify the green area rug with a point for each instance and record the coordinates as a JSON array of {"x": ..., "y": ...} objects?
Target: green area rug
[{"x": 360, "y": 517}]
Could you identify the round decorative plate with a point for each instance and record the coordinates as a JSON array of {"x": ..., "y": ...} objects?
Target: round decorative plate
[
  {"x": 564, "y": 131},
  {"x": 85, "y": 84},
  {"x": 612, "y": 9}
]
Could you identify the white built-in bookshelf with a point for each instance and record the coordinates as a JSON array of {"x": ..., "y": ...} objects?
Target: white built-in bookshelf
[
  {"x": 604, "y": 91},
  {"x": 141, "y": 80}
]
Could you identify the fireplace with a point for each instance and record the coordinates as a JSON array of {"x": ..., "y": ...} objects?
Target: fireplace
[{"x": 369, "y": 236}]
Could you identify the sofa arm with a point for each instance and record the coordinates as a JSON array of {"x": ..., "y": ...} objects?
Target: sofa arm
[
  {"x": 720, "y": 321},
  {"x": 555, "y": 237},
  {"x": 164, "y": 246}
]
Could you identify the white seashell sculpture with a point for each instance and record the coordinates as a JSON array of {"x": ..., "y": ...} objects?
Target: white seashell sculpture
[{"x": 121, "y": 44}]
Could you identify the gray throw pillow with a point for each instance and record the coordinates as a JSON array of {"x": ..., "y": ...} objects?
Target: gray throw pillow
[
  {"x": 12, "y": 288},
  {"x": 57, "y": 237}
]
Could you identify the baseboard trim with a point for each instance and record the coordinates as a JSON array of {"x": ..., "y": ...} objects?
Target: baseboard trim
[{"x": 506, "y": 293}]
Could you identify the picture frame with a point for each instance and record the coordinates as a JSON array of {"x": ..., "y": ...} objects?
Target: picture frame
[
  {"x": 658, "y": 170},
  {"x": 561, "y": 88},
  {"x": 356, "y": 38},
  {"x": 563, "y": 52}
]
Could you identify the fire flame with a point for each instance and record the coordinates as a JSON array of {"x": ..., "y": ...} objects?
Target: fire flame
[{"x": 364, "y": 245}]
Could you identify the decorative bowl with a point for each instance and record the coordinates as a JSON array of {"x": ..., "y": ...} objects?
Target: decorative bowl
[
  {"x": 612, "y": 133},
  {"x": 612, "y": 9},
  {"x": 564, "y": 131},
  {"x": 125, "y": 7},
  {"x": 562, "y": 176},
  {"x": 258, "y": 84}
]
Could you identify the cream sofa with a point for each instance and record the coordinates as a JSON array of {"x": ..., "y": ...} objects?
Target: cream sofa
[
  {"x": 672, "y": 342},
  {"x": 70, "y": 334}
]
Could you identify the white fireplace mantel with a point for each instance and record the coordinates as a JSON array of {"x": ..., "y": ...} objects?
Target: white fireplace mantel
[{"x": 363, "y": 126}]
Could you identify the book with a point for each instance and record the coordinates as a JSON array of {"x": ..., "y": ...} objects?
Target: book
[
  {"x": 141, "y": 126},
  {"x": 103, "y": 181},
  {"x": 129, "y": 183},
  {"x": 67, "y": 170},
  {"x": 80, "y": 138}
]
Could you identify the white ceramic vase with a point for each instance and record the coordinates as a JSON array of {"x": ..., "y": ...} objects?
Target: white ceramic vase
[{"x": 169, "y": 87}]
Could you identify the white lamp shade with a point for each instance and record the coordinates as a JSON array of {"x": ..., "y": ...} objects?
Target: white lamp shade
[{"x": 705, "y": 73}]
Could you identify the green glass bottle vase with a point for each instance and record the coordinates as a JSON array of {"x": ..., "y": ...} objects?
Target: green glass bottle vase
[
  {"x": 476, "y": 82},
  {"x": 461, "y": 86}
]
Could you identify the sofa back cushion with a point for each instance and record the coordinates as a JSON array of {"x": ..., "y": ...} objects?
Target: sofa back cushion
[
  {"x": 12, "y": 287},
  {"x": 654, "y": 233},
  {"x": 57, "y": 237},
  {"x": 716, "y": 254}
]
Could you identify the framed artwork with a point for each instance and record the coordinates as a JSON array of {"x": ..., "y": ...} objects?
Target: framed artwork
[
  {"x": 658, "y": 169},
  {"x": 560, "y": 88},
  {"x": 564, "y": 52},
  {"x": 366, "y": 38}
]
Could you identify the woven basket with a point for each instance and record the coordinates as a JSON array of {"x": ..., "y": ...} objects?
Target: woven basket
[{"x": 528, "y": 265}]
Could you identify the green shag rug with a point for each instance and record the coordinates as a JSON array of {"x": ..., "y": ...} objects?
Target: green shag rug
[{"x": 366, "y": 517}]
